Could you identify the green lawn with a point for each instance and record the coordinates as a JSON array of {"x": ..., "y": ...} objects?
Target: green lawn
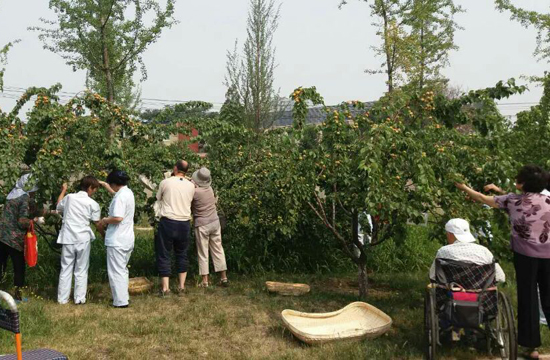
[{"x": 241, "y": 322}]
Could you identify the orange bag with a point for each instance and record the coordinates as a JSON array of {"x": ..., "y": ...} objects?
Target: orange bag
[{"x": 31, "y": 246}]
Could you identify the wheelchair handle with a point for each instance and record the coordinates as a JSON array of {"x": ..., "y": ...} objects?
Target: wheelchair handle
[{"x": 9, "y": 300}]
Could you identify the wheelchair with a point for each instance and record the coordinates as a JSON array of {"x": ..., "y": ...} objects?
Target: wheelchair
[
  {"x": 9, "y": 320},
  {"x": 464, "y": 296}
]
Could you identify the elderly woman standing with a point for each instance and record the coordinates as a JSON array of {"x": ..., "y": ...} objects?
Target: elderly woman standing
[
  {"x": 14, "y": 223},
  {"x": 529, "y": 214},
  {"x": 208, "y": 234}
]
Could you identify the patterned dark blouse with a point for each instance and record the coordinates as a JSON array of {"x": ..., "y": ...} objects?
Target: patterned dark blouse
[
  {"x": 530, "y": 221},
  {"x": 14, "y": 222}
]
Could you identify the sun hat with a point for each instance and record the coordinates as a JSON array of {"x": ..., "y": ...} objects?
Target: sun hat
[
  {"x": 460, "y": 228},
  {"x": 202, "y": 177}
]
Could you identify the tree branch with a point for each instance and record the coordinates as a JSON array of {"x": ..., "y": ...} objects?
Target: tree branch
[
  {"x": 334, "y": 231},
  {"x": 109, "y": 13}
]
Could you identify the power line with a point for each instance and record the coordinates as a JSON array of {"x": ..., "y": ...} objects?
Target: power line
[
  {"x": 21, "y": 90},
  {"x": 518, "y": 103},
  {"x": 14, "y": 92}
]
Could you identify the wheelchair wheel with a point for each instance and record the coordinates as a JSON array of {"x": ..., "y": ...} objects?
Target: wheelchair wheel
[
  {"x": 431, "y": 325},
  {"x": 505, "y": 329}
]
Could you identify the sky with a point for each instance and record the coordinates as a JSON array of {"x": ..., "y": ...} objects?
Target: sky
[{"x": 316, "y": 45}]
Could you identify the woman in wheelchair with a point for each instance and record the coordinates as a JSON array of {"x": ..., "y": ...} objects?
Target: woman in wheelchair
[{"x": 529, "y": 215}]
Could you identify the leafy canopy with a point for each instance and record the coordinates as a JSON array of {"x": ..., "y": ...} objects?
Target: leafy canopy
[{"x": 106, "y": 38}]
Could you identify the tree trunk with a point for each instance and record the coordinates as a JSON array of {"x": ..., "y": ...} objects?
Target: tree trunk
[
  {"x": 422, "y": 58},
  {"x": 257, "y": 105},
  {"x": 108, "y": 75},
  {"x": 363, "y": 279},
  {"x": 387, "y": 50}
]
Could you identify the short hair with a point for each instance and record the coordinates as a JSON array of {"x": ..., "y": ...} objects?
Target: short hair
[
  {"x": 533, "y": 178},
  {"x": 88, "y": 181},
  {"x": 118, "y": 177},
  {"x": 182, "y": 166}
]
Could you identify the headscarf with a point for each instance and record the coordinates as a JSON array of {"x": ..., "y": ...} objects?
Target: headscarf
[{"x": 19, "y": 189}]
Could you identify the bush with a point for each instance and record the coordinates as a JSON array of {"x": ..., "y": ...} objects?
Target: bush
[
  {"x": 257, "y": 178},
  {"x": 415, "y": 252}
]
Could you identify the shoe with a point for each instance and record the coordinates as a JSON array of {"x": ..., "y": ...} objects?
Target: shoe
[
  {"x": 164, "y": 294},
  {"x": 17, "y": 294},
  {"x": 455, "y": 336},
  {"x": 224, "y": 283},
  {"x": 203, "y": 285},
  {"x": 19, "y": 298},
  {"x": 120, "y": 306},
  {"x": 532, "y": 354},
  {"x": 181, "y": 292}
]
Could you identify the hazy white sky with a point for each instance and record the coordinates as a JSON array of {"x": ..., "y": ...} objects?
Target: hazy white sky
[{"x": 317, "y": 44}]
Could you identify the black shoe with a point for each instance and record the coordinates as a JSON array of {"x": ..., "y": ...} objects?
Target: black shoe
[
  {"x": 120, "y": 306},
  {"x": 17, "y": 294},
  {"x": 224, "y": 283}
]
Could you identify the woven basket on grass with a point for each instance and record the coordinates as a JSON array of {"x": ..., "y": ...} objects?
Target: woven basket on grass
[
  {"x": 287, "y": 289},
  {"x": 139, "y": 285},
  {"x": 356, "y": 321}
]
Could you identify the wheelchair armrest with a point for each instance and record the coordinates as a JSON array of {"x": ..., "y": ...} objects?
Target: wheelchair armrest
[{"x": 9, "y": 300}]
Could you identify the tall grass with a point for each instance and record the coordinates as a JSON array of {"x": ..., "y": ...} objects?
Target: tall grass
[
  {"x": 46, "y": 272},
  {"x": 298, "y": 255}
]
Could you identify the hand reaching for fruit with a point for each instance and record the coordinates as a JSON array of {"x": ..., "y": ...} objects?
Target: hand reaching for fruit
[{"x": 493, "y": 187}]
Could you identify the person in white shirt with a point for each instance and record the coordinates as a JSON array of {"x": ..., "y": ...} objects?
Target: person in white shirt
[
  {"x": 119, "y": 236},
  {"x": 462, "y": 247},
  {"x": 175, "y": 196},
  {"x": 76, "y": 236}
]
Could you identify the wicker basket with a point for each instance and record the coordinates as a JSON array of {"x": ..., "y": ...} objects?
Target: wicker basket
[
  {"x": 356, "y": 321},
  {"x": 287, "y": 289},
  {"x": 139, "y": 285}
]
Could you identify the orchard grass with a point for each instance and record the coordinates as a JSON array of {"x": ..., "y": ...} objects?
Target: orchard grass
[{"x": 240, "y": 322}]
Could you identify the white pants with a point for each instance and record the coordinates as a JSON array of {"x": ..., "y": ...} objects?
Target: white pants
[
  {"x": 75, "y": 258},
  {"x": 117, "y": 269}
]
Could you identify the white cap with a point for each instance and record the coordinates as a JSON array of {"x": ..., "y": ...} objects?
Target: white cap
[{"x": 460, "y": 229}]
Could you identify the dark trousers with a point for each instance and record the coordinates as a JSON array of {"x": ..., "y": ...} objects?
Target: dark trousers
[
  {"x": 18, "y": 261},
  {"x": 531, "y": 272},
  {"x": 172, "y": 234}
]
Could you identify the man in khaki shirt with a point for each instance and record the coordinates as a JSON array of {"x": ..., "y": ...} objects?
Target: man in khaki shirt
[{"x": 175, "y": 196}]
